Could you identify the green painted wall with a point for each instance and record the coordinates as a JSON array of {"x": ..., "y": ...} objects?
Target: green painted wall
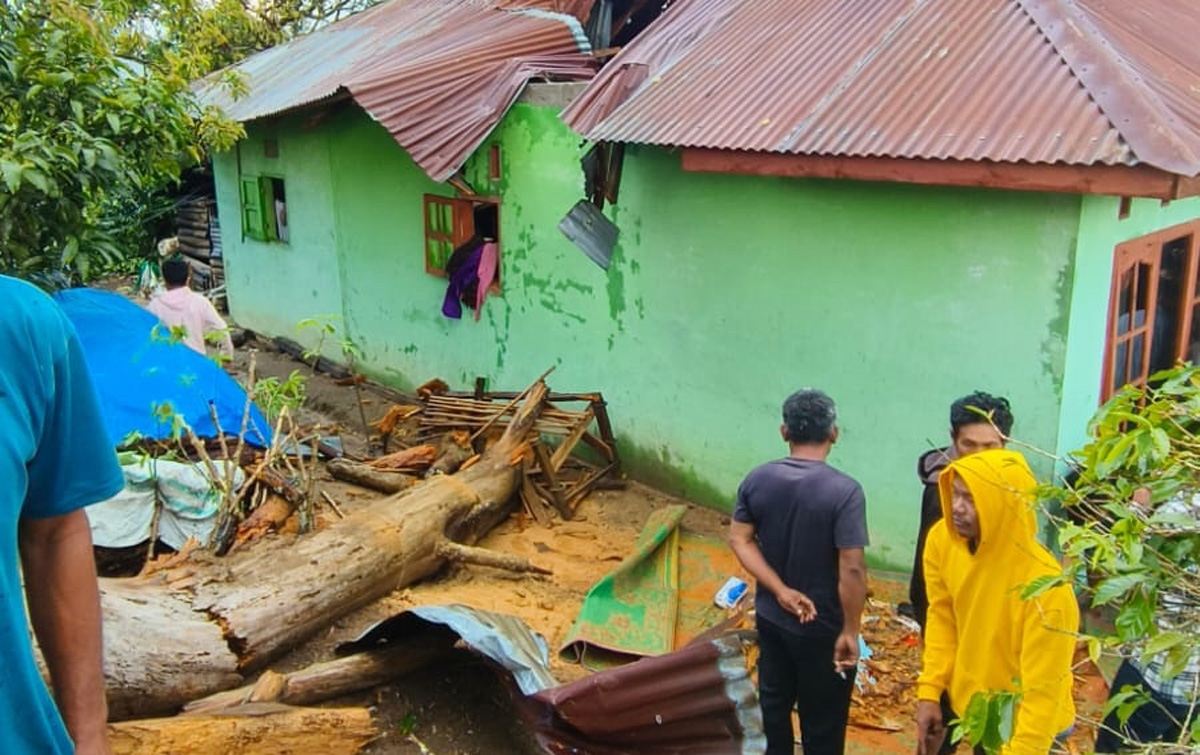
[
  {"x": 726, "y": 294},
  {"x": 1100, "y": 231},
  {"x": 273, "y": 286}
]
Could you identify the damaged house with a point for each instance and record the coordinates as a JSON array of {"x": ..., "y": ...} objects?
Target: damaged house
[{"x": 900, "y": 203}]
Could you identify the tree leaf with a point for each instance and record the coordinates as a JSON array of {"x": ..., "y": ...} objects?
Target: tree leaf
[{"x": 1114, "y": 587}]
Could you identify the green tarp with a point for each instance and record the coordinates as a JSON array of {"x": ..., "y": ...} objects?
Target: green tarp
[{"x": 657, "y": 600}]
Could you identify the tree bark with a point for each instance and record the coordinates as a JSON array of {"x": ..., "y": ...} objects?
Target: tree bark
[
  {"x": 250, "y": 730},
  {"x": 325, "y": 681},
  {"x": 369, "y": 477},
  {"x": 242, "y": 612}
]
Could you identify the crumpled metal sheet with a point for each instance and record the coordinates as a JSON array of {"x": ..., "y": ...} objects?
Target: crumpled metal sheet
[
  {"x": 699, "y": 700},
  {"x": 437, "y": 75}
]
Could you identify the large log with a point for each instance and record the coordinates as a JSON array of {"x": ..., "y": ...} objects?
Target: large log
[
  {"x": 266, "y": 600},
  {"x": 249, "y": 730}
]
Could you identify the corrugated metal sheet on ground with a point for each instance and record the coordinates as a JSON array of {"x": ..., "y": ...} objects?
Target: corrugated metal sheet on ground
[
  {"x": 437, "y": 75},
  {"x": 1080, "y": 82},
  {"x": 699, "y": 699}
]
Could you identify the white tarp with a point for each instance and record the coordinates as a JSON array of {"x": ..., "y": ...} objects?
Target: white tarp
[{"x": 188, "y": 497}]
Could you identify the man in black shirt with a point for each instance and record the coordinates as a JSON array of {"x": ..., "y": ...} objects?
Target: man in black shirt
[
  {"x": 978, "y": 422},
  {"x": 799, "y": 527}
]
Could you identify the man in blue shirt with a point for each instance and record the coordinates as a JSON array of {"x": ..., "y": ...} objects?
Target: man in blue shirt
[{"x": 55, "y": 458}]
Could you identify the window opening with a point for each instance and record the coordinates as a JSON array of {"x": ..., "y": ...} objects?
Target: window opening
[
  {"x": 1154, "y": 312},
  {"x": 264, "y": 208},
  {"x": 458, "y": 225}
]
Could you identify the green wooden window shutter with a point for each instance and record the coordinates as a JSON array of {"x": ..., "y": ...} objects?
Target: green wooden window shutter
[
  {"x": 253, "y": 216},
  {"x": 266, "y": 191}
]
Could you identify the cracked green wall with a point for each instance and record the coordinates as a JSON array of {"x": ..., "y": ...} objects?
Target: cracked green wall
[{"x": 725, "y": 294}]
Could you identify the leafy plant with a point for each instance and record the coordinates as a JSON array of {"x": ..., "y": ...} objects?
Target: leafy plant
[
  {"x": 79, "y": 125},
  {"x": 988, "y": 721},
  {"x": 274, "y": 395}
]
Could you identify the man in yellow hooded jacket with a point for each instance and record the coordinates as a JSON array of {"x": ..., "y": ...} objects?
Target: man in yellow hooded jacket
[{"x": 981, "y": 637}]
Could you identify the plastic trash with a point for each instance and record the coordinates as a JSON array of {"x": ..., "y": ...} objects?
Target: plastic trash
[{"x": 731, "y": 593}]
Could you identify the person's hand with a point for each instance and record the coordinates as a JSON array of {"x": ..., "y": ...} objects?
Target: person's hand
[
  {"x": 845, "y": 653},
  {"x": 798, "y": 604},
  {"x": 931, "y": 730}
]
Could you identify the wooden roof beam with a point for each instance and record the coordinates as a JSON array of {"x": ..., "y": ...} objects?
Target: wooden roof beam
[{"x": 1116, "y": 180}]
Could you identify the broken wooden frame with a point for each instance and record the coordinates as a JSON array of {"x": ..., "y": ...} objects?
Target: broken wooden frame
[{"x": 555, "y": 480}]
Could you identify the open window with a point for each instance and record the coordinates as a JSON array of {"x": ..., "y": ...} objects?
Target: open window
[
  {"x": 451, "y": 223},
  {"x": 1154, "y": 306},
  {"x": 264, "y": 208}
]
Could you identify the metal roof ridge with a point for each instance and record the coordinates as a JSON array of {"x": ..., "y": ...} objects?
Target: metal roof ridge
[
  {"x": 789, "y": 142},
  {"x": 572, "y": 23},
  {"x": 1136, "y": 113}
]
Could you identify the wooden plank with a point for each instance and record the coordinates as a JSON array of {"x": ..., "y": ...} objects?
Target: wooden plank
[
  {"x": 533, "y": 502},
  {"x": 553, "y": 486},
  {"x": 568, "y": 445},
  {"x": 1117, "y": 180}
]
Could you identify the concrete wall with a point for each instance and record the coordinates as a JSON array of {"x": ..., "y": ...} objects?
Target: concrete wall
[
  {"x": 1100, "y": 231},
  {"x": 273, "y": 286},
  {"x": 725, "y": 294}
]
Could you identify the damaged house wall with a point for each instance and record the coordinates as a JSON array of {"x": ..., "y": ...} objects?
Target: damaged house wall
[{"x": 724, "y": 294}]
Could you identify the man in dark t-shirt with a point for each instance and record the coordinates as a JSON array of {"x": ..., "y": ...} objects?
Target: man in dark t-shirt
[{"x": 799, "y": 527}]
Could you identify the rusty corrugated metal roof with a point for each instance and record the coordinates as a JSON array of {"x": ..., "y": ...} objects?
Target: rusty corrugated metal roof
[
  {"x": 580, "y": 9},
  {"x": 1078, "y": 82},
  {"x": 437, "y": 75},
  {"x": 699, "y": 700}
]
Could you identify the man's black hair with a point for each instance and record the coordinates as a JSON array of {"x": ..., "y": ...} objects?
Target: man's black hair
[
  {"x": 809, "y": 416},
  {"x": 175, "y": 271},
  {"x": 980, "y": 407}
]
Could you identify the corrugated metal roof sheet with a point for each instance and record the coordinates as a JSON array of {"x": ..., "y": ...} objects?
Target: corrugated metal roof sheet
[
  {"x": 437, "y": 75},
  {"x": 696, "y": 700},
  {"x": 699, "y": 699},
  {"x": 1079, "y": 82}
]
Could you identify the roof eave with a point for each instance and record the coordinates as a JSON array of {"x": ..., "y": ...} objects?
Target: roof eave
[{"x": 1116, "y": 180}]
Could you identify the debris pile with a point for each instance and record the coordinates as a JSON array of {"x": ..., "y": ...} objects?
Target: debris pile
[
  {"x": 885, "y": 695},
  {"x": 446, "y": 431}
]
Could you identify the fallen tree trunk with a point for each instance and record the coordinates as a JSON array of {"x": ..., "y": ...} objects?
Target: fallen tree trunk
[
  {"x": 249, "y": 730},
  {"x": 241, "y": 612},
  {"x": 325, "y": 681}
]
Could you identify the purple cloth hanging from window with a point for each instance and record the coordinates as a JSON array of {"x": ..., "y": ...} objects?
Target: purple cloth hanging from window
[{"x": 463, "y": 271}]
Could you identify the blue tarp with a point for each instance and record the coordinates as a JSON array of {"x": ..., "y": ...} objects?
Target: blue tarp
[{"x": 143, "y": 378}]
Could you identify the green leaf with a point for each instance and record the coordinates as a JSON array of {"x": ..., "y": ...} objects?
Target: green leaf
[
  {"x": 1114, "y": 587},
  {"x": 1162, "y": 442},
  {"x": 38, "y": 179},
  {"x": 1164, "y": 641},
  {"x": 114, "y": 122},
  {"x": 11, "y": 172},
  {"x": 1040, "y": 585}
]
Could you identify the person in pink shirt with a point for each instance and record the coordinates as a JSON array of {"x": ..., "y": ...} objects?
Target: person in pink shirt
[{"x": 181, "y": 307}]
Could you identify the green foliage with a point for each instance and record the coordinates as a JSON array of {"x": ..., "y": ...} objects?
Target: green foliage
[
  {"x": 79, "y": 126},
  {"x": 1132, "y": 536},
  {"x": 988, "y": 721},
  {"x": 274, "y": 395}
]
